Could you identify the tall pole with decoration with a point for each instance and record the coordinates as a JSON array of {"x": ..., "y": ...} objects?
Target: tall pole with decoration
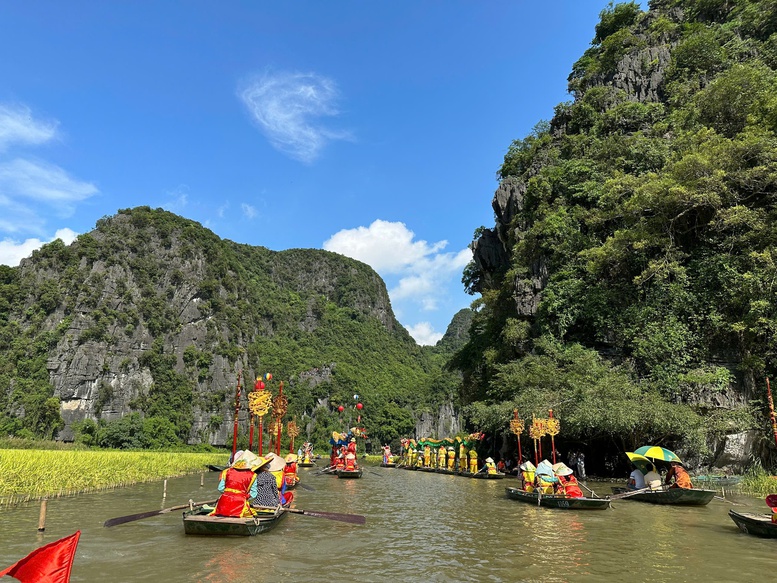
[
  {"x": 535, "y": 432},
  {"x": 552, "y": 427},
  {"x": 293, "y": 431},
  {"x": 279, "y": 405},
  {"x": 516, "y": 427},
  {"x": 259, "y": 402},
  {"x": 237, "y": 412}
]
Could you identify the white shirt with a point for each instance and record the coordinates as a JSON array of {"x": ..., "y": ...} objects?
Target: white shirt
[
  {"x": 639, "y": 479},
  {"x": 653, "y": 480}
]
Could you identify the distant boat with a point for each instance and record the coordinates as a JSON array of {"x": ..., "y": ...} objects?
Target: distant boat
[
  {"x": 487, "y": 476},
  {"x": 678, "y": 496},
  {"x": 349, "y": 473},
  {"x": 213, "y": 468}
]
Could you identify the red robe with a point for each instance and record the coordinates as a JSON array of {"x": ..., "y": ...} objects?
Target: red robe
[
  {"x": 571, "y": 487},
  {"x": 234, "y": 500}
]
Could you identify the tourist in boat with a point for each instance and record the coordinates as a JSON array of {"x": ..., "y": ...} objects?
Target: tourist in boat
[
  {"x": 350, "y": 463},
  {"x": 636, "y": 480},
  {"x": 290, "y": 477},
  {"x": 527, "y": 475},
  {"x": 238, "y": 484},
  {"x": 267, "y": 493},
  {"x": 490, "y": 466},
  {"x": 653, "y": 479},
  {"x": 275, "y": 468},
  {"x": 567, "y": 483},
  {"x": 677, "y": 477},
  {"x": 544, "y": 478}
]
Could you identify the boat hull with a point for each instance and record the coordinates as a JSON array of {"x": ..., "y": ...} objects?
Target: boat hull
[
  {"x": 487, "y": 476},
  {"x": 198, "y": 522},
  {"x": 388, "y": 465},
  {"x": 306, "y": 464},
  {"x": 352, "y": 474},
  {"x": 553, "y": 501},
  {"x": 677, "y": 496},
  {"x": 755, "y": 524}
]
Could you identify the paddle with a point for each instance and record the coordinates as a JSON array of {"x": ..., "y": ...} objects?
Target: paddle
[
  {"x": 350, "y": 518},
  {"x": 627, "y": 494},
  {"x": 589, "y": 489},
  {"x": 142, "y": 515},
  {"x": 729, "y": 501},
  {"x": 306, "y": 487},
  {"x": 324, "y": 471}
]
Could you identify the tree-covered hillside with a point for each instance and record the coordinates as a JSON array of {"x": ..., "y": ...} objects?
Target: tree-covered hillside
[
  {"x": 629, "y": 280},
  {"x": 134, "y": 335}
]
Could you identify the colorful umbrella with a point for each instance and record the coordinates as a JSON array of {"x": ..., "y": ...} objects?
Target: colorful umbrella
[
  {"x": 642, "y": 463},
  {"x": 658, "y": 453}
]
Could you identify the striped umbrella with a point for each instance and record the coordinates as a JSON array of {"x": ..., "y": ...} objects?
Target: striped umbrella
[
  {"x": 658, "y": 453},
  {"x": 642, "y": 463}
]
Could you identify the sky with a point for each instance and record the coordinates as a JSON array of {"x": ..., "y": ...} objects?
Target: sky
[{"x": 371, "y": 129}]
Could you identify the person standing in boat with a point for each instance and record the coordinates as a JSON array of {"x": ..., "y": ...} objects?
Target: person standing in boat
[
  {"x": 237, "y": 485},
  {"x": 677, "y": 477}
]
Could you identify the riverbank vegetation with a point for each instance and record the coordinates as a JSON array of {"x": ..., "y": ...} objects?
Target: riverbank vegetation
[{"x": 30, "y": 474}]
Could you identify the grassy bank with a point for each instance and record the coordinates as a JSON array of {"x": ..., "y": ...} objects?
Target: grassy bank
[{"x": 28, "y": 474}]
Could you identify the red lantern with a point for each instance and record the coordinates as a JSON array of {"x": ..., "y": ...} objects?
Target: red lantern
[
  {"x": 359, "y": 406},
  {"x": 258, "y": 385},
  {"x": 341, "y": 408}
]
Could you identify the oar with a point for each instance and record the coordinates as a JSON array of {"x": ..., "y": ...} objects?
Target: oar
[
  {"x": 142, "y": 515},
  {"x": 350, "y": 518},
  {"x": 729, "y": 501},
  {"x": 324, "y": 471},
  {"x": 306, "y": 487},
  {"x": 589, "y": 489},
  {"x": 627, "y": 494}
]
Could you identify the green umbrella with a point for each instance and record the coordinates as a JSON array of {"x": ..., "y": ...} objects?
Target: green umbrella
[
  {"x": 642, "y": 463},
  {"x": 654, "y": 452}
]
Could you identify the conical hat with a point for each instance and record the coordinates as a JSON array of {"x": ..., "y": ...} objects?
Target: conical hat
[
  {"x": 561, "y": 469},
  {"x": 527, "y": 466},
  {"x": 248, "y": 461},
  {"x": 277, "y": 463}
]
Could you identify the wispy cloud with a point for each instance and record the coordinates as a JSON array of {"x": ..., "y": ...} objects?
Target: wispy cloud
[
  {"x": 249, "y": 211},
  {"x": 12, "y": 252},
  {"x": 18, "y": 126},
  {"x": 424, "y": 271},
  {"x": 42, "y": 182},
  {"x": 287, "y": 108}
]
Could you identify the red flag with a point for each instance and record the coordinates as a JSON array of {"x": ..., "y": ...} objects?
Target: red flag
[{"x": 48, "y": 564}]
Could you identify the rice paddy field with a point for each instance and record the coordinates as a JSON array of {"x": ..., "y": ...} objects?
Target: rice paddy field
[{"x": 30, "y": 474}]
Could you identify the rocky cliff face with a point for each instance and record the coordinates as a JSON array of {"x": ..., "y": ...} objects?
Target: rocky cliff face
[{"x": 146, "y": 284}]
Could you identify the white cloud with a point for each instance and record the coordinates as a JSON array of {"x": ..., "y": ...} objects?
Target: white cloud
[
  {"x": 287, "y": 106},
  {"x": 424, "y": 334},
  {"x": 423, "y": 272},
  {"x": 18, "y": 126},
  {"x": 248, "y": 211},
  {"x": 12, "y": 252}
]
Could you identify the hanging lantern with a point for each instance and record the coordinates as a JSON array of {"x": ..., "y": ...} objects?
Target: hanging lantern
[
  {"x": 359, "y": 406},
  {"x": 267, "y": 376},
  {"x": 341, "y": 408}
]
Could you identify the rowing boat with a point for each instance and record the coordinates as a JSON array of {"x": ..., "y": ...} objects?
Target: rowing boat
[
  {"x": 755, "y": 524},
  {"x": 678, "y": 496},
  {"x": 388, "y": 464},
  {"x": 556, "y": 501},
  {"x": 349, "y": 473},
  {"x": 487, "y": 476},
  {"x": 199, "y": 521},
  {"x": 306, "y": 464}
]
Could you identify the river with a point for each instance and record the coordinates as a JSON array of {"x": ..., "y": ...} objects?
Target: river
[{"x": 420, "y": 527}]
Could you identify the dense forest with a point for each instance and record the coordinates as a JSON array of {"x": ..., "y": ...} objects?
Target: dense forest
[{"x": 629, "y": 281}]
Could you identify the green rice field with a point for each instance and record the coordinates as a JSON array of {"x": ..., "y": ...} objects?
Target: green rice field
[{"x": 30, "y": 474}]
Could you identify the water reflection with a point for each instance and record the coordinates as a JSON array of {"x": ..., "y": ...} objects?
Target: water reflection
[{"x": 420, "y": 527}]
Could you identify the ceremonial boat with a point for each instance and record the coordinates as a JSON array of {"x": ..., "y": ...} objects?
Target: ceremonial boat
[
  {"x": 755, "y": 524},
  {"x": 678, "y": 496},
  {"x": 349, "y": 473},
  {"x": 199, "y": 521},
  {"x": 554, "y": 501}
]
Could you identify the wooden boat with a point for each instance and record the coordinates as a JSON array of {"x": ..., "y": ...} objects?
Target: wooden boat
[
  {"x": 198, "y": 521},
  {"x": 388, "y": 464},
  {"x": 427, "y": 469},
  {"x": 487, "y": 476},
  {"x": 678, "y": 496},
  {"x": 755, "y": 524},
  {"x": 465, "y": 474},
  {"x": 554, "y": 501},
  {"x": 213, "y": 468},
  {"x": 349, "y": 473},
  {"x": 445, "y": 471},
  {"x": 305, "y": 464}
]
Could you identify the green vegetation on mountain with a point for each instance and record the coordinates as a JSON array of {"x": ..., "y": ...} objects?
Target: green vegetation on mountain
[{"x": 650, "y": 202}]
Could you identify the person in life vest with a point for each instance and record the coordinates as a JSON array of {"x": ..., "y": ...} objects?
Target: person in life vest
[
  {"x": 350, "y": 463},
  {"x": 290, "y": 477},
  {"x": 527, "y": 475},
  {"x": 490, "y": 466},
  {"x": 238, "y": 484},
  {"x": 677, "y": 477},
  {"x": 427, "y": 456},
  {"x": 567, "y": 483},
  {"x": 441, "y": 457},
  {"x": 544, "y": 479},
  {"x": 473, "y": 461},
  {"x": 462, "y": 457},
  {"x": 451, "y": 459}
]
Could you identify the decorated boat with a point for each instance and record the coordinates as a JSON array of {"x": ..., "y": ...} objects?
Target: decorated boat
[
  {"x": 345, "y": 473},
  {"x": 755, "y": 524},
  {"x": 198, "y": 520},
  {"x": 555, "y": 501},
  {"x": 678, "y": 496}
]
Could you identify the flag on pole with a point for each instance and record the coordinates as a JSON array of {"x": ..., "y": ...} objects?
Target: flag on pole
[{"x": 48, "y": 564}]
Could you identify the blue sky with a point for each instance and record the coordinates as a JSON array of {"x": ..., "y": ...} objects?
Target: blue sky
[{"x": 373, "y": 129}]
